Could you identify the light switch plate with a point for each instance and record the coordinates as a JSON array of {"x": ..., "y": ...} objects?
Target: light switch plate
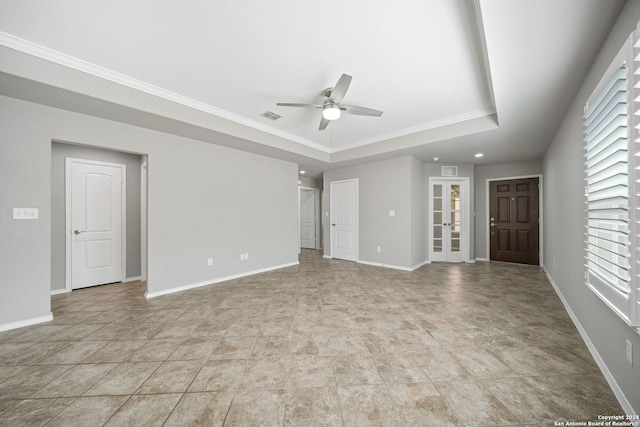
[
  {"x": 392, "y": 213},
  {"x": 25, "y": 213}
]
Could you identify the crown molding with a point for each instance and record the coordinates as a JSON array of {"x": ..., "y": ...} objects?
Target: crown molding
[
  {"x": 448, "y": 121},
  {"x": 33, "y": 49}
]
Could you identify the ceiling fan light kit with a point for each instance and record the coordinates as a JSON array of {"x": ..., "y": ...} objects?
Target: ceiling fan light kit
[
  {"x": 331, "y": 112},
  {"x": 332, "y": 107}
]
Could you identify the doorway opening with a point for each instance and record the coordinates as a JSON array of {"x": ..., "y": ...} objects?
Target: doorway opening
[
  {"x": 309, "y": 215},
  {"x": 95, "y": 238}
]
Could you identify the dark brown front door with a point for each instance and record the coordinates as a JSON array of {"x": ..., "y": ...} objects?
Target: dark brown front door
[{"x": 513, "y": 220}]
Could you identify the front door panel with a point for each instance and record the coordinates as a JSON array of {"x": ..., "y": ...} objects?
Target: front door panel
[{"x": 513, "y": 216}]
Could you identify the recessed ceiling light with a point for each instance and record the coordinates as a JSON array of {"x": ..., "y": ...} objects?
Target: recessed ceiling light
[
  {"x": 435, "y": 159},
  {"x": 303, "y": 172},
  {"x": 479, "y": 155}
]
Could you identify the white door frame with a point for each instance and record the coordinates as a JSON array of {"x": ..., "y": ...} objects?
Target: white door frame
[
  {"x": 331, "y": 210},
  {"x": 316, "y": 200},
  {"x": 465, "y": 201},
  {"x": 68, "y": 228},
  {"x": 540, "y": 214}
]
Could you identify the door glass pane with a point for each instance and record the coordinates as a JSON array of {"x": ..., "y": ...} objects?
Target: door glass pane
[
  {"x": 455, "y": 245},
  {"x": 437, "y": 232},
  {"x": 437, "y": 204},
  {"x": 437, "y": 190},
  {"x": 437, "y": 217},
  {"x": 437, "y": 245},
  {"x": 455, "y": 221}
]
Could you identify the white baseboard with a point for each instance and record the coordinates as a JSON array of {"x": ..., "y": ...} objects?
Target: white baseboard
[
  {"x": 617, "y": 391},
  {"x": 326, "y": 256},
  {"x": 28, "y": 322},
  {"x": 482, "y": 259},
  {"x": 148, "y": 295},
  {"x": 394, "y": 267},
  {"x": 58, "y": 291},
  {"x": 132, "y": 279}
]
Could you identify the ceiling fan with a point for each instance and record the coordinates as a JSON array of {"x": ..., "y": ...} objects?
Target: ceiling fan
[{"x": 332, "y": 107}]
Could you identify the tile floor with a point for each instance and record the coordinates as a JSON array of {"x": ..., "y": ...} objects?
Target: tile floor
[{"x": 323, "y": 344}]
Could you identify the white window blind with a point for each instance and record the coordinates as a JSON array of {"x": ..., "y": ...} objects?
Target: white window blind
[
  {"x": 606, "y": 184},
  {"x": 612, "y": 184},
  {"x": 634, "y": 125}
]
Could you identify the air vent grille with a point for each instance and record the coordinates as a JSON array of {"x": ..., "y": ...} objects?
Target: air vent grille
[
  {"x": 271, "y": 115},
  {"x": 449, "y": 171}
]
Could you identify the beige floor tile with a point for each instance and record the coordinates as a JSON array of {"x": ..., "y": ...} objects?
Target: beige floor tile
[
  {"x": 268, "y": 373},
  {"x": 171, "y": 377},
  {"x": 109, "y": 332},
  {"x": 194, "y": 348},
  {"x": 233, "y": 347},
  {"x": 76, "y": 352},
  {"x": 367, "y": 405},
  {"x": 398, "y": 368},
  {"x": 271, "y": 346},
  {"x": 310, "y": 371},
  {"x": 75, "y": 381},
  {"x": 312, "y": 407},
  {"x": 421, "y": 404},
  {"x": 219, "y": 375},
  {"x": 33, "y": 412},
  {"x": 205, "y": 409},
  {"x": 144, "y": 410},
  {"x": 155, "y": 350},
  {"x": 88, "y": 411},
  {"x": 473, "y": 404},
  {"x": 36, "y": 353},
  {"x": 256, "y": 408},
  {"x": 355, "y": 370},
  {"x": 30, "y": 381},
  {"x": 524, "y": 401},
  {"x": 115, "y": 351},
  {"x": 124, "y": 379}
]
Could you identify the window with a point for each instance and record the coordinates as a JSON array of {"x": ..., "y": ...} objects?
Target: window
[{"x": 612, "y": 188}]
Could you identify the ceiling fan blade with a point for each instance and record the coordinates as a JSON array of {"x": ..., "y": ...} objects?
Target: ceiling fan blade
[
  {"x": 361, "y": 111},
  {"x": 294, "y": 104},
  {"x": 323, "y": 124},
  {"x": 340, "y": 89}
]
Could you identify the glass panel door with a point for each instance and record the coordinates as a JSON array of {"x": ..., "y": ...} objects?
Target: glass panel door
[
  {"x": 446, "y": 215},
  {"x": 437, "y": 217},
  {"x": 454, "y": 218}
]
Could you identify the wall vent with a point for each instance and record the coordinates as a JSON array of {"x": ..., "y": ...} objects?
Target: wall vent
[
  {"x": 449, "y": 171},
  {"x": 271, "y": 115}
]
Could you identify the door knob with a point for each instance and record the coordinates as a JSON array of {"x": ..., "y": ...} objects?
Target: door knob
[
  {"x": 77, "y": 231},
  {"x": 492, "y": 224},
  {"x": 333, "y": 225}
]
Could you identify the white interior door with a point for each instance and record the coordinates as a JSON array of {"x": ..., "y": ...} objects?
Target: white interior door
[
  {"x": 344, "y": 219},
  {"x": 307, "y": 218},
  {"x": 449, "y": 220},
  {"x": 95, "y": 203}
]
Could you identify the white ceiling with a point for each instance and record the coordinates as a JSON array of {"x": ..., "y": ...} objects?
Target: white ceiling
[{"x": 453, "y": 77}]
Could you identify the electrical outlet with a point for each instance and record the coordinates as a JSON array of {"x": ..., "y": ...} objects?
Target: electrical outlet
[
  {"x": 246, "y": 256},
  {"x": 210, "y": 262},
  {"x": 379, "y": 249},
  {"x": 629, "y": 352},
  {"x": 242, "y": 257}
]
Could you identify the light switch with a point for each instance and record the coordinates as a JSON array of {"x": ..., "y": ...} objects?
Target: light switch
[
  {"x": 25, "y": 213},
  {"x": 392, "y": 213}
]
